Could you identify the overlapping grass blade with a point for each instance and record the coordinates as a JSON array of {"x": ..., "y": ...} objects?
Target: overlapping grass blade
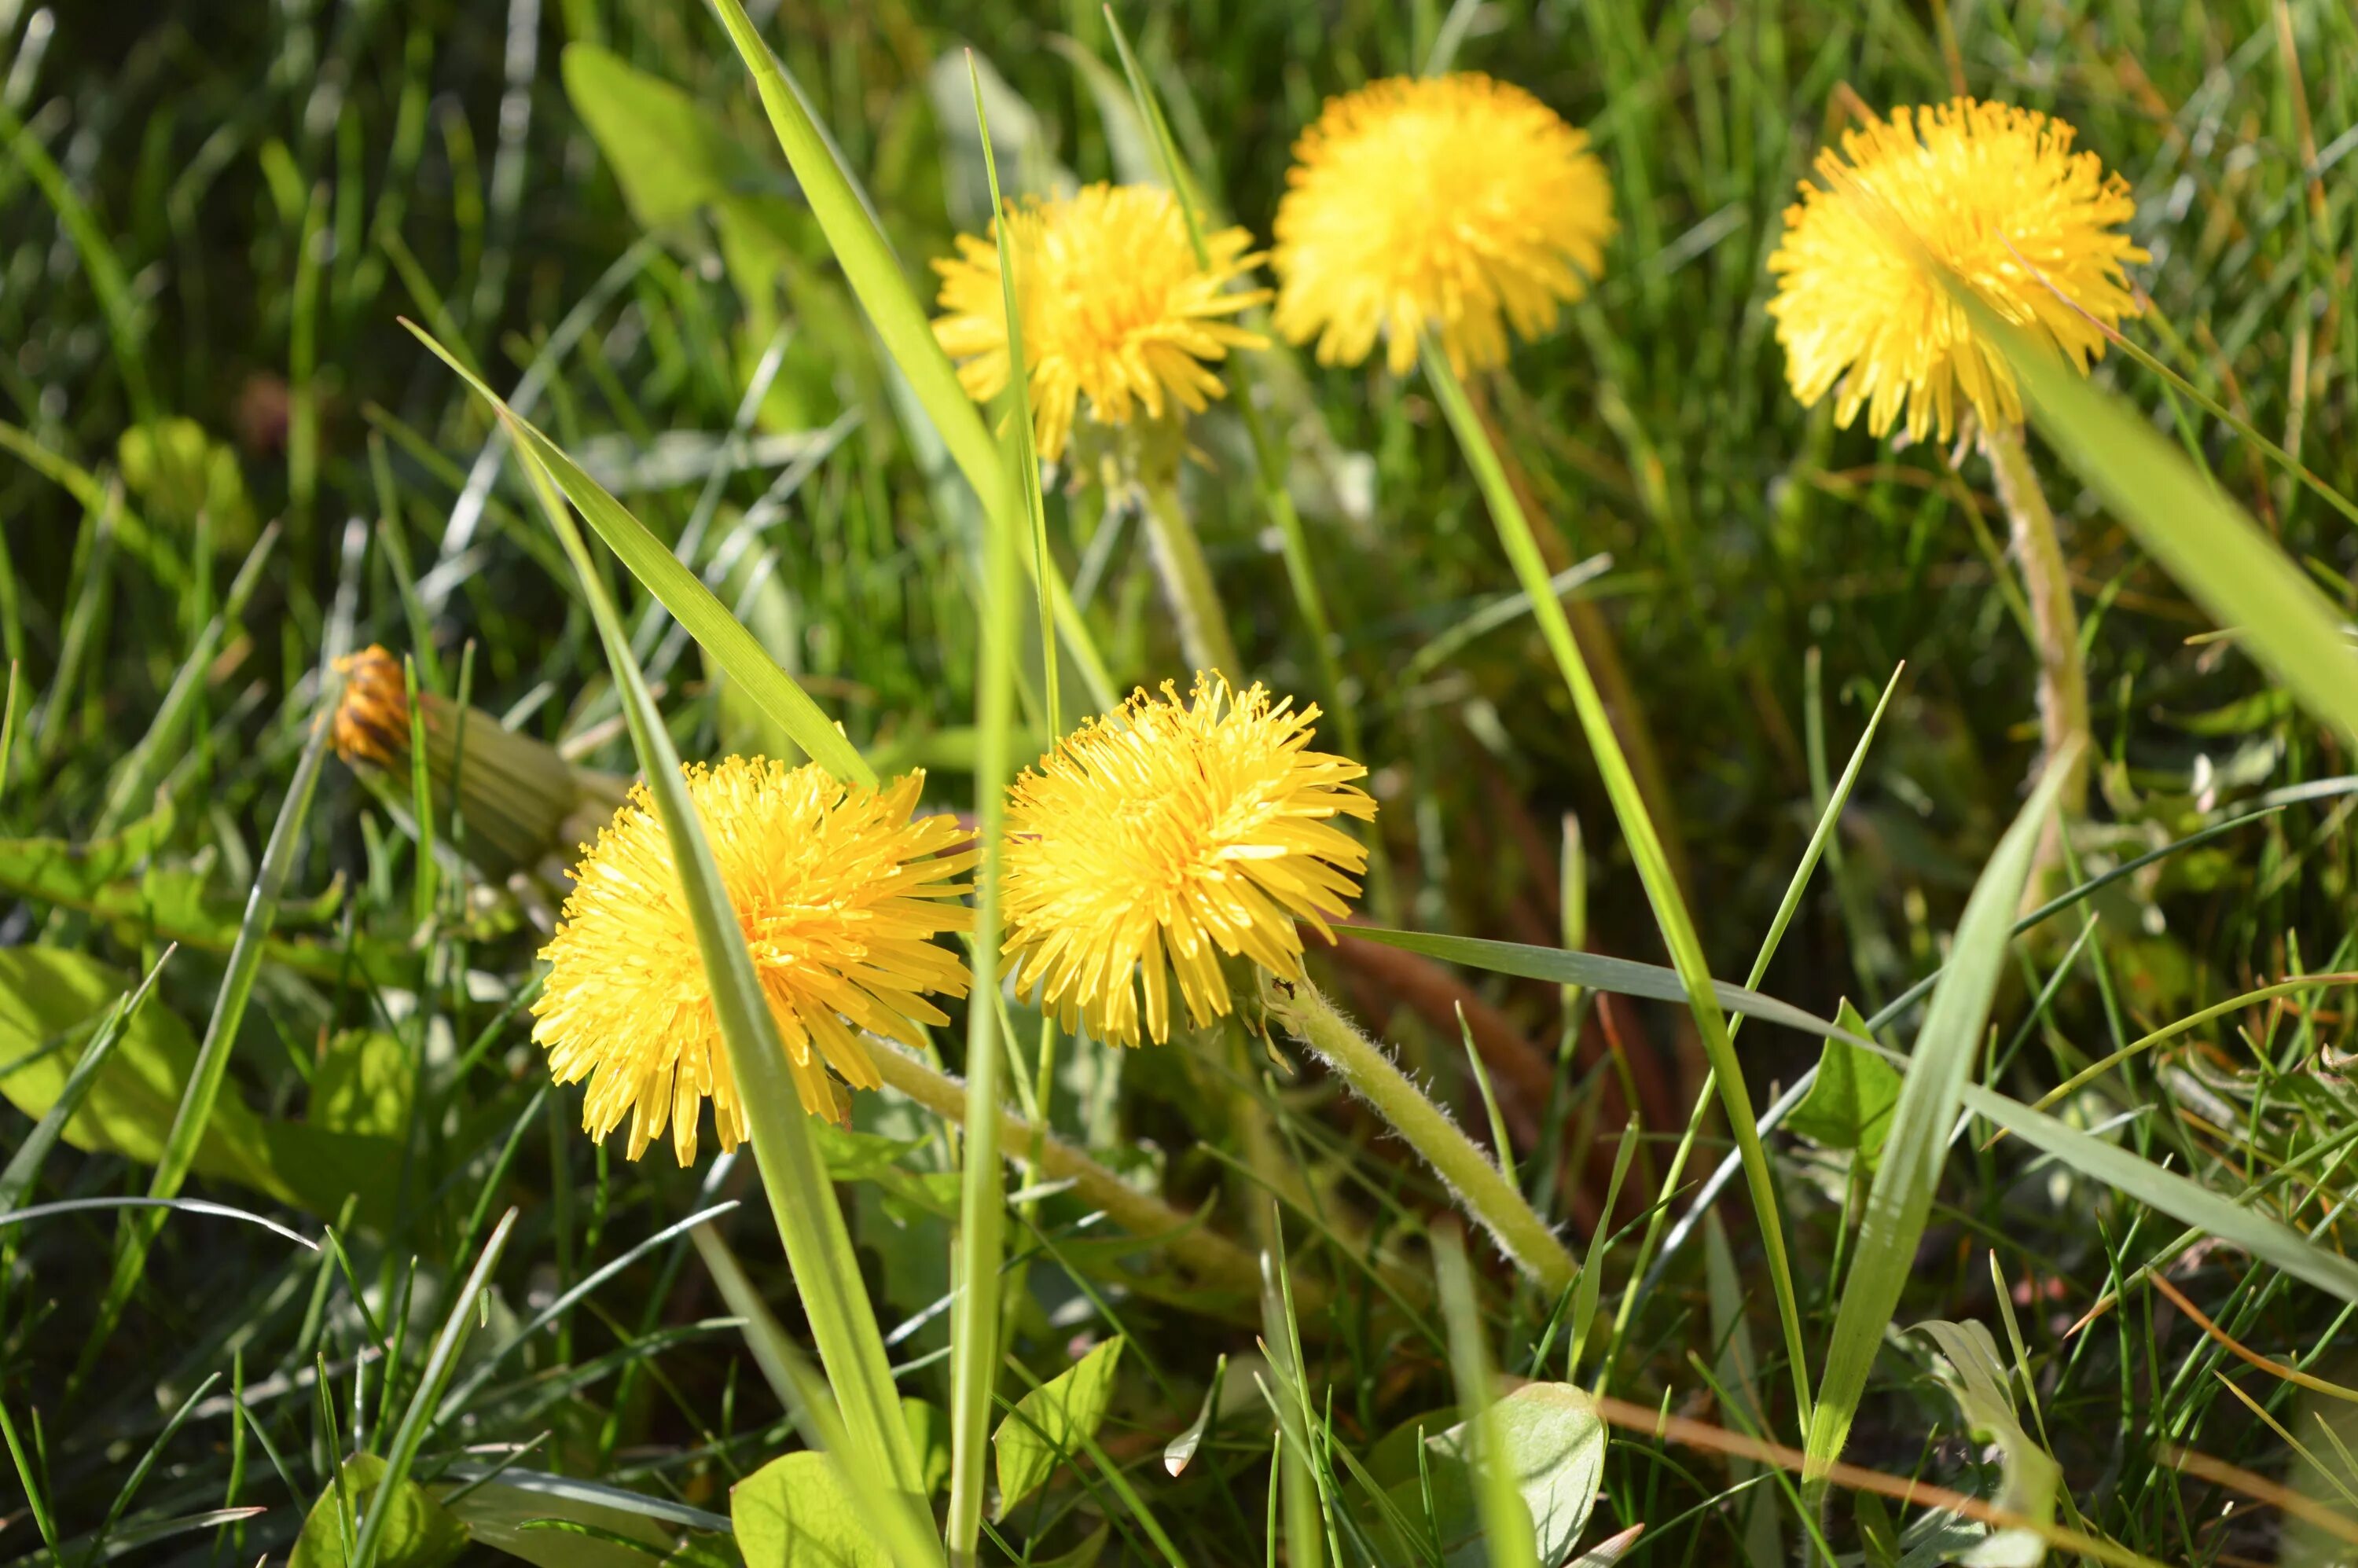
[
  {"x": 874, "y": 273},
  {"x": 1645, "y": 845},
  {"x": 681, "y": 592},
  {"x": 2204, "y": 540},
  {"x": 1900, "y": 1199},
  {"x": 802, "y": 1196}
]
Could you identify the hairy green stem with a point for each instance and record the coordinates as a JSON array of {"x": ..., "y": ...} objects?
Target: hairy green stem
[
  {"x": 1216, "y": 1262},
  {"x": 1187, "y": 577},
  {"x": 1480, "y": 1186},
  {"x": 2062, "y": 676}
]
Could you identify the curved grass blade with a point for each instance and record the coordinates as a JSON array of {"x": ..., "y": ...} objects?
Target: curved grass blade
[
  {"x": 874, "y": 273},
  {"x": 681, "y": 592},
  {"x": 177, "y": 1205},
  {"x": 794, "y": 1174},
  {"x": 1901, "y": 1200}
]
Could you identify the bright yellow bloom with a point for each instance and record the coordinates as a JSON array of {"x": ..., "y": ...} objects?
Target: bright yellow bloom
[
  {"x": 1157, "y": 839},
  {"x": 1993, "y": 193},
  {"x": 1116, "y": 309},
  {"x": 1455, "y": 204},
  {"x": 839, "y": 895}
]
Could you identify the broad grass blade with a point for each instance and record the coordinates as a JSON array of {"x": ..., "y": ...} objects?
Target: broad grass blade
[
  {"x": 1901, "y": 1198},
  {"x": 874, "y": 273},
  {"x": 801, "y": 1196}
]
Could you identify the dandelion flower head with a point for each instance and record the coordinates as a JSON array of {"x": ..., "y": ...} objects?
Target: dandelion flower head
[
  {"x": 1158, "y": 839},
  {"x": 1455, "y": 204},
  {"x": 1116, "y": 309},
  {"x": 839, "y": 895},
  {"x": 1997, "y": 195},
  {"x": 371, "y": 722}
]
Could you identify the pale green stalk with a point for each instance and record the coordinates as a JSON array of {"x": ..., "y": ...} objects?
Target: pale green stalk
[
  {"x": 1481, "y": 1187},
  {"x": 1645, "y": 846},
  {"x": 2062, "y": 673},
  {"x": 1187, "y": 579},
  {"x": 1506, "y": 1523},
  {"x": 982, "y": 1194}
]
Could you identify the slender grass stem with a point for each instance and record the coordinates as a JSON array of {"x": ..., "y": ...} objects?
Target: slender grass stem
[
  {"x": 1479, "y": 1185},
  {"x": 2062, "y": 673},
  {"x": 1187, "y": 579},
  {"x": 1216, "y": 1262}
]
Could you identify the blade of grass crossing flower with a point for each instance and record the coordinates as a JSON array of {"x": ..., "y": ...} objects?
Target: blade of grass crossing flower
[
  {"x": 1900, "y": 1199},
  {"x": 441, "y": 1362},
  {"x": 1506, "y": 1523},
  {"x": 1645, "y": 846},
  {"x": 874, "y": 273},
  {"x": 802, "y": 1194},
  {"x": 2208, "y": 543},
  {"x": 681, "y": 592},
  {"x": 982, "y": 1193},
  {"x": 212, "y": 1067}
]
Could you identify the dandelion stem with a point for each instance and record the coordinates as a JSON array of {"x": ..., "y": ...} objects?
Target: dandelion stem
[
  {"x": 1216, "y": 1262},
  {"x": 1478, "y": 1183},
  {"x": 2062, "y": 677},
  {"x": 1187, "y": 579}
]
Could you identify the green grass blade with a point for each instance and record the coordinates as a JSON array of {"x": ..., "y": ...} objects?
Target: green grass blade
[
  {"x": 1645, "y": 847},
  {"x": 681, "y": 592},
  {"x": 2209, "y": 543},
  {"x": 802, "y": 1194},
  {"x": 440, "y": 1364},
  {"x": 982, "y": 1193},
  {"x": 1506, "y": 1523},
  {"x": 1901, "y": 1198},
  {"x": 893, "y": 310}
]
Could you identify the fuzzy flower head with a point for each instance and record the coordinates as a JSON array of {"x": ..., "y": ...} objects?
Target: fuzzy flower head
[
  {"x": 1454, "y": 204},
  {"x": 1116, "y": 309},
  {"x": 1994, "y": 193},
  {"x": 839, "y": 894},
  {"x": 1154, "y": 841}
]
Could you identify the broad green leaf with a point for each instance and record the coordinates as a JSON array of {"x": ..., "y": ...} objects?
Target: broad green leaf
[
  {"x": 669, "y": 154},
  {"x": 47, "y": 995},
  {"x": 2030, "y": 1477},
  {"x": 793, "y": 1512},
  {"x": 1048, "y": 1425},
  {"x": 1554, "y": 1448},
  {"x": 25, "y": 1165},
  {"x": 682, "y": 593},
  {"x": 1900, "y": 1200},
  {"x": 2226, "y": 561},
  {"x": 1850, "y": 1102},
  {"x": 418, "y": 1531},
  {"x": 501, "y": 1514},
  {"x": 929, "y": 1434},
  {"x": 362, "y": 1084},
  {"x": 178, "y": 472}
]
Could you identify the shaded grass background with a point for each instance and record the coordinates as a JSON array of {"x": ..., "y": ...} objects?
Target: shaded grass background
[{"x": 253, "y": 192}]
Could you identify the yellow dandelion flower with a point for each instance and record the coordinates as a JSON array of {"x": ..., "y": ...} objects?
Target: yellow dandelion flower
[
  {"x": 839, "y": 894},
  {"x": 1455, "y": 204},
  {"x": 1159, "y": 838},
  {"x": 1993, "y": 193},
  {"x": 1116, "y": 309}
]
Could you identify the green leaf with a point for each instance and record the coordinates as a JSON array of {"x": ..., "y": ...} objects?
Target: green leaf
[
  {"x": 1901, "y": 1198},
  {"x": 25, "y": 1166},
  {"x": 502, "y": 1515},
  {"x": 793, "y": 1512},
  {"x": 47, "y": 995},
  {"x": 1049, "y": 1424},
  {"x": 363, "y": 1085},
  {"x": 178, "y": 472},
  {"x": 2029, "y": 1474},
  {"x": 418, "y": 1531},
  {"x": 929, "y": 1434},
  {"x": 1555, "y": 1447},
  {"x": 1849, "y": 1105},
  {"x": 669, "y": 154},
  {"x": 2226, "y": 561}
]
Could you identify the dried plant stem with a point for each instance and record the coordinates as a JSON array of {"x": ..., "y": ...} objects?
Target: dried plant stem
[
  {"x": 1472, "y": 1176},
  {"x": 1187, "y": 579},
  {"x": 2062, "y": 676},
  {"x": 1216, "y": 1262}
]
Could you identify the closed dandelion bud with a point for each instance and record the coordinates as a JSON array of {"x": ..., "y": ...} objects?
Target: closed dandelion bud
[
  {"x": 1454, "y": 205},
  {"x": 522, "y": 805},
  {"x": 839, "y": 893},
  {"x": 1158, "y": 841}
]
